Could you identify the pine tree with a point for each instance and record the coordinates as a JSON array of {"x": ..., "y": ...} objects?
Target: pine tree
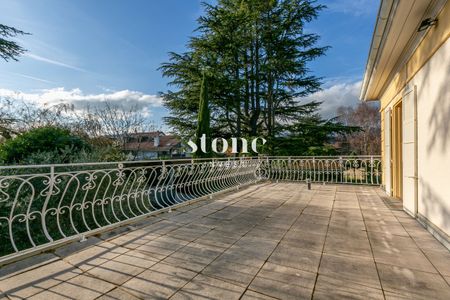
[
  {"x": 257, "y": 52},
  {"x": 203, "y": 126},
  {"x": 8, "y": 48}
]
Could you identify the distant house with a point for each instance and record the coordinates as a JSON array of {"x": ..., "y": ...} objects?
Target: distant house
[
  {"x": 408, "y": 71},
  {"x": 152, "y": 145}
]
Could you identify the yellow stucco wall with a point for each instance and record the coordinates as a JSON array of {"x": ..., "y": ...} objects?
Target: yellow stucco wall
[
  {"x": 433, "y": 40},
  {"x": 429, "y": 71}
]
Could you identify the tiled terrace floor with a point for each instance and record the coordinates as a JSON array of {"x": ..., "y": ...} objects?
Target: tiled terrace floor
[{"x": 264, "y": 242}]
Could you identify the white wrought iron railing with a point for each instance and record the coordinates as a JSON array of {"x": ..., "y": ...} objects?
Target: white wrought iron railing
[
  {"x": 42, "y": 206},
  {"x": 325, "y": 169}
]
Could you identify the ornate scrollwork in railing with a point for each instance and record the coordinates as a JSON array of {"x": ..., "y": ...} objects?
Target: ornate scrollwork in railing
[
  {"x": 324, "y": 169},
  {"x": 45, "y": 205}
]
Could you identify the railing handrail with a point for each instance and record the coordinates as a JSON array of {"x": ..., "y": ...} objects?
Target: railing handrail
[
  {"x": 150, "y": 161},
  {"x": 187, "y": 159},
  {"x": 324, "y": 156}
]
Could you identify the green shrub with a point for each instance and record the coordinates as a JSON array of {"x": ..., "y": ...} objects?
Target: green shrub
[{"x": 49, "y": 143}]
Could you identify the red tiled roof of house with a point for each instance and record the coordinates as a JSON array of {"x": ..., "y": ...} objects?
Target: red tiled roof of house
[{"x": 166, "y": 142}]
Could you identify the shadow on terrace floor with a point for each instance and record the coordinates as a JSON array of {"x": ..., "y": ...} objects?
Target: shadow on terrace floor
[{"x": 268, "y": 241}]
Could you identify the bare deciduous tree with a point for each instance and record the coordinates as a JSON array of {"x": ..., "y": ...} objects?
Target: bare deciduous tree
[
  {"x": 20, "y": 116},
  {"x": 108, "y": 120},
  {"x": 113, "y": 121},
  {"x": 367, "y": 141}
]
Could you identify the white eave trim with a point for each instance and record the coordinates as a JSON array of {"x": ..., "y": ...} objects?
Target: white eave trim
[{"x": 384, "y": 19}]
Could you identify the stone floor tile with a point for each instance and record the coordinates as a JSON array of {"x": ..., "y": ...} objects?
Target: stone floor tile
[
  {"x": 391, "y": 242},
  {"x": 425, "y": 240},
  {"x": 207, "y": 222},
  {"x": 215, "y": 238},
  {"x": 310, "y": 219},
  {"x": 115, "y": 272},
  {"x": 304, "y": 240},
  {"x": 241, "y": 247},
  {"x": 291, "y": 256},
  {"x": 394, "y": 229},
  {"x": 343, "y": 244},
  {"x": 72, "y": 248},
  {"x": 81, "y": 287},
  {"x": 377, "y": 217},
  {"x": 227, "y": 213},
  {"x": 161, "y": 227},
  {"x": 136, "y": 258},
  {"x": 276, "y": 224},
  {"x": 118, "y": 294},
  {"x": 191, "y": 206},
  {"x": 287, "y": 274},
  {"x": 162, "y": 247},
  {"x": 354, "y": 229},
  {"x": 180, "y": 218},
  {"x": 335, "y": 288},
  {"x": 168, "y": 242},
  {"x": 255, "y": 245},
  {"x": 230, "y": 271},
  {"x": 205, "y": 287},
  {"x": 189, "y": 262},
  {"x": 251, "y": 295},
  {"x": 407, "y": 258},
  {"x": 233, "y": 229},
  {"x": 265, "y": 232},
  {"x": 413, "y": 283},
  {"x": 283, "y": 282},
  {"x": 354, "y": 269},
  {"x": 193, "y": 257},
  {"x": 199, "y": 249},
  {"x": 394, "y": 296},
  {"x": 94, "y": 256},
  {"x": 155, "y": 252},
  {"x": 440, "y": 258},
  {"x": 304, "y": 225},
  {"x": 46, "y": 295},
  {"x": 161, "y": 281},
  {"x": 317, "y": 212},
  {"x": 26, "y": 264},
  {"x": 244, "y": 259},
  {"x": 447, "y": 278},
  {"x": 31, "y": 282},
  {"x": 189, "y": 232},
  {"x": 133, "y": 240}
]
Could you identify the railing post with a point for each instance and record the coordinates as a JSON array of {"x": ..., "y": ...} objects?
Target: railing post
[
  {"x": 371, "y": 169},
  {"x": 51, "y": 184},
  {"x": 314, "y": 169},
  {"x": 289, "y": 168}
]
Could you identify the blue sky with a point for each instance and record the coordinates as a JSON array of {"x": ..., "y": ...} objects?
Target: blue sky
[{"x": 87, "y": 51}]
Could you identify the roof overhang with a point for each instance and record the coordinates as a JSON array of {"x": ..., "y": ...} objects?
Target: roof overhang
[{"x": 394, "y": 40}]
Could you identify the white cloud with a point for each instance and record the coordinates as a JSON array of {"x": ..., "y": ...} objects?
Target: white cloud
[
  {"x": 53, "y": 62},
  {"x": 342, "y": 94},
  {"x": 353, "y": 7},
  {"x": 125, "y": 98}
]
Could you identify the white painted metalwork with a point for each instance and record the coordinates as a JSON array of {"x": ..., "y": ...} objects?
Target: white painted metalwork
[
  {"x": 42, "y": 206},
  {"x": 324, "y": 169}
]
